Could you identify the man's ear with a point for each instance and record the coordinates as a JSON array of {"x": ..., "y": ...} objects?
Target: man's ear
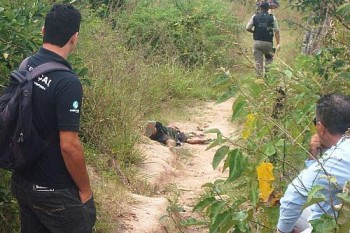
[
  {"x": 74, "y": 38},
  {"x": 42, "y": 30},
  {"x": 321, "y": 128}
]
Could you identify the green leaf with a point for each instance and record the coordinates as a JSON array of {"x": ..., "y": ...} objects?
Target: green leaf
[
  {"x": 215, "y": 130},
  {"x": 314, "y": 196},
  {"x": 223, "y": 78},
  {"x": 325, "y": 224},
  {"x": 239, "y": 216},
  {"x": 220, "y": 220},
  {"x": 216, "y": 208},
  {"x": 269, "y": 149},
  {"x": 219, "y": 156},
  {"x": 344, "y": 11},
  {"x": 228, "y": 226},
  {"x": 215, "y": 143},
  {"x": 191, "y": 222},
  {"x": 254, "y": 193},
  {"x": 227, "y": 95},
  {"x": 203, "y": 204},
  {"x": 344, "y": 213},
  {"x": 237, "y": 107},
  {"x": 237, "y": 164},
  {"x": 344, "y": 197}
]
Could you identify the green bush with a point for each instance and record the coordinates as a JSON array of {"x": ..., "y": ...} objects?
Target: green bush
[
  {"x": 19, "y": 32},
  {"x": 192, "y": 33},
  {"x": 9, "y": 214}
]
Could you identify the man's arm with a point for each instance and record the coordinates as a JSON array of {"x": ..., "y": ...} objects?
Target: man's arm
[
  {"x": 250, "y": 24},
  {"x": 294, "y": 199},
  {"x": 73, "y": 157},
  {"x": 277, "y": 37},
  {"x": 276, "y": 32}
]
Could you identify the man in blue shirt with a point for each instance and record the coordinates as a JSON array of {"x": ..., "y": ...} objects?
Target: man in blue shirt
[{"x": 332, "y": 124}]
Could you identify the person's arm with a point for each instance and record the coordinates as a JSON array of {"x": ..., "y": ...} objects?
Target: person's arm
[
  {"x": 73, "y": 157},
  {"x": 277, "y": 37},
  {"x": 276, "y": 32},
  {"x": 294, "y": 198},
  {"x": 250, "y": 24}
]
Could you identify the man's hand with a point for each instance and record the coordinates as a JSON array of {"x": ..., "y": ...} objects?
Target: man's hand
[
  {"x": 278, "y": 47},
  {"x": 315, "y": 146},
  {"x": 85, "y": 196},
  {"x": 73, "y": 156}
]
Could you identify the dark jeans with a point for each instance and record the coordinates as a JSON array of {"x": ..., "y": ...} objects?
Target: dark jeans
[{"x": 45, "y": 210}]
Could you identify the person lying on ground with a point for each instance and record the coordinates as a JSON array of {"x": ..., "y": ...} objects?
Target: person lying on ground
[{"x": 170, "y": 135}]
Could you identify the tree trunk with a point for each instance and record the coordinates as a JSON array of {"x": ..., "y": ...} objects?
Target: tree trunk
[{"x": 313, "y": 38}]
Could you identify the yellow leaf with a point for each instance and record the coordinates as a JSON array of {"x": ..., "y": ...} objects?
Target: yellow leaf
[
  {"x": 265, "y": 178},
  {"x": 248, "y": 126}
]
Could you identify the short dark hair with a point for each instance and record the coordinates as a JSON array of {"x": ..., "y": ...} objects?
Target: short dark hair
[
  {"x": 333, "y": 110},
  {"x": 61, "y": 22}
]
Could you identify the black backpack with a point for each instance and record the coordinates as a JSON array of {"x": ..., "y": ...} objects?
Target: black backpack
[{"x": 20, "y": 144}]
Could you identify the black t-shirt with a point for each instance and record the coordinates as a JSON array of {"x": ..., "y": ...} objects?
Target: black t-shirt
[{"x": 57, "y": 98}]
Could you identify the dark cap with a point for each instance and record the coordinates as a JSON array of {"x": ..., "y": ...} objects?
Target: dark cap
[{"x": 265, "y": 5}]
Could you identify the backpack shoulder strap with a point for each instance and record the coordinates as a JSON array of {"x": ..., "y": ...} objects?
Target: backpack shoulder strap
[
  {"x": 43, "y": 68},
  {"x": 48, "y": 67},
  {"x": 24, "y": 64}
]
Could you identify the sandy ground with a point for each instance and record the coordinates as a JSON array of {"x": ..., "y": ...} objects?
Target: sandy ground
[{"x": 186, "y": 168}]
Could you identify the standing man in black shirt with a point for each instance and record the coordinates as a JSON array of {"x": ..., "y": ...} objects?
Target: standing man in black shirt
[
  {"x": 54, "y": 194},
  {"x": 263, "y": 26}
]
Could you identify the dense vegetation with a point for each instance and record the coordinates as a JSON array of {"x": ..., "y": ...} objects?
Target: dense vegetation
[{"x": 140, "y": 59}]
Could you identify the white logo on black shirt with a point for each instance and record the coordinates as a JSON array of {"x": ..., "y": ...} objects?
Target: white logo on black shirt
[
  {"x": 44, "y": 80},
  {"x": 75, "y": 106}
]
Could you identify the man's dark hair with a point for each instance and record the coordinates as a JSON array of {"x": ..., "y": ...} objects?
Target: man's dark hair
[
  {"x": 333, "y": 110},
  {"x": 61, "y": 22}
]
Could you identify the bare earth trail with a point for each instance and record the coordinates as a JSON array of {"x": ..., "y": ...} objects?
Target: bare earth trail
[{"x": 185, "y": 168}]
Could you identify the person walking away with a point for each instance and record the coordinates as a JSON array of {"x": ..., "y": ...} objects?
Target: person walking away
[
  {"x": 264, "y": 27},
  {"x": 54, "y": 195},
  {"x": 332, "y": 143}
]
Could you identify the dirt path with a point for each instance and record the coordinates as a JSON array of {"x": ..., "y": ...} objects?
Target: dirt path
[{"x": 184, "y": 168}]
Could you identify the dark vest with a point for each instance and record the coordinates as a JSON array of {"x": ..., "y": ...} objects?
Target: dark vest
[{"x": 263, "y": 27}]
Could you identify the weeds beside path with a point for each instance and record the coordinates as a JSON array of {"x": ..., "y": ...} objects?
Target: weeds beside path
[{"x": 177, "y": 174}]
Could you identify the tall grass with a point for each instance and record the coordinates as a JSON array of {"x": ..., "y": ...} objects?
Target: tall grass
[
  {"x": 130, "y": 83},
  {"x": 137, "y": 72}
]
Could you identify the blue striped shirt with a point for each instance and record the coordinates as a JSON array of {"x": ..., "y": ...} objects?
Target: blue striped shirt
[{"x": 336, "y": 163}]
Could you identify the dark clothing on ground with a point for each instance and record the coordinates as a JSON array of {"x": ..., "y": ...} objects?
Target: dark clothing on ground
[{"x": 164, "y": 133}]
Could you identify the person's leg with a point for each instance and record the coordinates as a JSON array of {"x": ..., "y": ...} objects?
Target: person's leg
[
  {"x": 61, "y": 211},
  {"x": 29, "y": 222},
  {"x": 268, "y": 53},
  {"x": 52, "y": 211},
  {"x": 258, "y": 57},
  {"x": 302, "y": 224}
]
